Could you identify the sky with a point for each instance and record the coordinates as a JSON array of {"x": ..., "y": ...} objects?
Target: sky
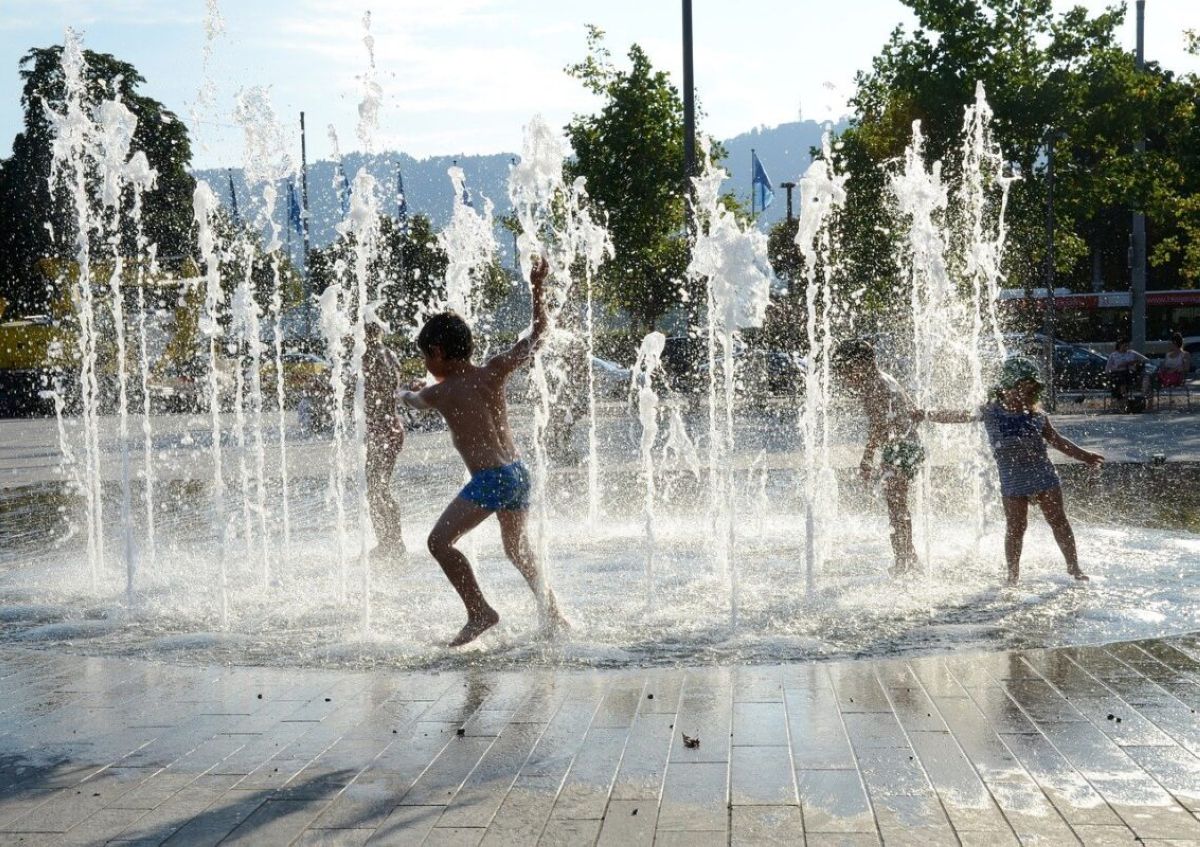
[{"x": 464, "y": 76}]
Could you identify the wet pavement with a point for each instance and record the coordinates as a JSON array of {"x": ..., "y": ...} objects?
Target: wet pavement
[{"x": 1094, "y": 745}]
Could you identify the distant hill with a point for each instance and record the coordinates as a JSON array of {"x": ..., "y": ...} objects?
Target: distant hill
[{"x": 784, "y": 151}]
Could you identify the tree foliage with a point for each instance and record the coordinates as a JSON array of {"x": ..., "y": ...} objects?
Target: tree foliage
[
  {"x": 1042, "y": 71},
  {"x": 33, "y": 224},
  {"x": 408, "y": 273},
  {"x": 631, "y": 152}
]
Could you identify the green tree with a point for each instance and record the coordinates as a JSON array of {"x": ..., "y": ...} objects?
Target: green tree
[
  {"x": 1041, "y": 71},
  {"x": 409, "y": 271},
  {"x": 26, "y": 205},
  {"x": 631, "y": 153}
]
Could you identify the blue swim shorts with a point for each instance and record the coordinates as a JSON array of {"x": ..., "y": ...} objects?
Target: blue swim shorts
[{"x": 505, "y": 488}]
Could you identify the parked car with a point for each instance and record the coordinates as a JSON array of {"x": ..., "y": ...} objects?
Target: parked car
[
  {"x": 302, "y": 372},
  {"x": 1076, "y": 368},
  {"x": 611, "y": 379},
  {"x": 682, "y": 358}
]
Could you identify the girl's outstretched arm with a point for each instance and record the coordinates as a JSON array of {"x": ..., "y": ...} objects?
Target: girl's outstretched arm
[
  {"x": 947, "y": 416},
  {"x": 1068, "y": 447}
]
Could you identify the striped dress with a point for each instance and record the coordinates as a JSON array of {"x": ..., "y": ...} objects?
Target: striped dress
[{"x": 1020, "y": 451}]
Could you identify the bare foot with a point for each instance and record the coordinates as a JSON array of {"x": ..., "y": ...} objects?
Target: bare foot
[
  {"x": 388, "y": 554},
  {"x": 475, "y": 627},
  {"x": 1013, "y": 578},
  {"x": 1079, "y": 575},
  {"x": 557, "y": 626}
]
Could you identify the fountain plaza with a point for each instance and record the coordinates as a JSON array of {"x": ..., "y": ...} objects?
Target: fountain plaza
[{"x": 197, "y": 647}]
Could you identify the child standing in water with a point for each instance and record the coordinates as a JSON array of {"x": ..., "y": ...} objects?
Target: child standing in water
[
  {"x": 471, "y": 399},
  {"x": 1018, "y": 431},
  {"x": 385, "y": 437},
  {"x": 891, "y": 425}
]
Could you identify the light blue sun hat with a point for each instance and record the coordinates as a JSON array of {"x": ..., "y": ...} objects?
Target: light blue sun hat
[{"x": 1018, "y": 369}]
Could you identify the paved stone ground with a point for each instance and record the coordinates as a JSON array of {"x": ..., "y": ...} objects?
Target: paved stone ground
[{"x": 1099, "y": 745}]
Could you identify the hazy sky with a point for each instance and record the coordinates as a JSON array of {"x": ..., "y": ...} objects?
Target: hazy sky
[{"x": 465, "y": 75}]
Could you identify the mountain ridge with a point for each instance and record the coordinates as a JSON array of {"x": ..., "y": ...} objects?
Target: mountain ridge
[{"x": 785, "y": 151}]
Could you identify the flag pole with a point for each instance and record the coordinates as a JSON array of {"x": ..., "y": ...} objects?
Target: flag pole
[
  {"x": 752, "y": 183},
  {"x": 304, "y": 230}
]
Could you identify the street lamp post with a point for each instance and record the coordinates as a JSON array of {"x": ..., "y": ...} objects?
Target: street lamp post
[
  {"x": 689, "y": 98},
  {"x": 788, "y": 186},
  {"x": 1049, "y": 315},
  {"x": 1137, "y": 276}
]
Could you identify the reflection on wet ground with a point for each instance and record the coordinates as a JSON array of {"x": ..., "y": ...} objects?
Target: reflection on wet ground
[{"x": 1098, "y": 744}]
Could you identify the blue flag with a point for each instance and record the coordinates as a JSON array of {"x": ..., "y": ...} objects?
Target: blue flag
[
  {"x": 760, "y": 184},
  {"x": 343, "y": 189},
  {"x": 294, "y": 219},
  {"x": 237, "y": 218},
  {"x": 401, "y": 200}
]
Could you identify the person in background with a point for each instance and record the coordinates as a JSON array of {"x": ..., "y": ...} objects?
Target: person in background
[
  {"x": 385, "y": 437},
  {"x": 1176, "y": 365},
  {"x": 1125, "y": 367},
  {"x": 891, "y": 429}
]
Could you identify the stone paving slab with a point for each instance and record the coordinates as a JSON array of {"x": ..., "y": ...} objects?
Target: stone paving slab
[{"x": 1082, "y": 745}]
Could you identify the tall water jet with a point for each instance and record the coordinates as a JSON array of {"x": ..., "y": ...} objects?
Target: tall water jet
[
  {"x": 590, "y": 243},
  {"x": 265, "y": 166},
  {"x": 977, "y": 241},
  {"x": 822, "y": 194},
  {"x": 115, "y": 127},
  {"x": 361, "y": 228},
  {"x": 469, "y": 241},
  {"x": 205, "y": 209},
  {"x": 534, "y": 184},
  {"x": 72, "y": 152},
  {"x": 921, "y": 199},
  {"x": 142, "y": 178},
  {"x": 731, "y": 259},
  {"x": 649, "y": 358},
  {"x": 335, "y": 326},
  {"x": 555, "y": 223}
]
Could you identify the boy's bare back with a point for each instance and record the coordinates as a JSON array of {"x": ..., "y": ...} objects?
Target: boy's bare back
[
  {"x": 476, "y": 413},
  {"x": 471, "y": 397}
]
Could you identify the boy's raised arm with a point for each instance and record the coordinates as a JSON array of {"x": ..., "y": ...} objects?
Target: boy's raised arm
[{"x": 520, "y": 352}]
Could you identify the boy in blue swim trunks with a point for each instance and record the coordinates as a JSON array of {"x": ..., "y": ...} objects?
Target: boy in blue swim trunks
[{"x": 471, "y": 399}]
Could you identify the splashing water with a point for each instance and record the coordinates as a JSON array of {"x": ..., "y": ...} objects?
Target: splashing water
[
  {"x": 648, "y": 361},
  {"x": 205, "y": 205},
  {"x": 469, "y": 241},
  {"x": 776, "y": 477},
  {"x": 822, "y": 194},
  {"x": 731, "y": 260}
]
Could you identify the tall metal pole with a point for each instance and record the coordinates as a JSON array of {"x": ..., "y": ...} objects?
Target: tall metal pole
[
  {"x": 304, "y": 229},
  {"x": 753, "y": 184},
  {"x": 788, "y": 186},
  {"x": 1049, "y": 314},
  {"x": 1137, "y": 294},
  {"x": 689, "y": 98}
]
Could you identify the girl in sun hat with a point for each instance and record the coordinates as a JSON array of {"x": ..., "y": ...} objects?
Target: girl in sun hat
[{"x": 1018, "y": 431}]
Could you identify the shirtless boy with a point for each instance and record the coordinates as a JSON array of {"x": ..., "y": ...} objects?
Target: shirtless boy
[{"x": 471, "y": 399}]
